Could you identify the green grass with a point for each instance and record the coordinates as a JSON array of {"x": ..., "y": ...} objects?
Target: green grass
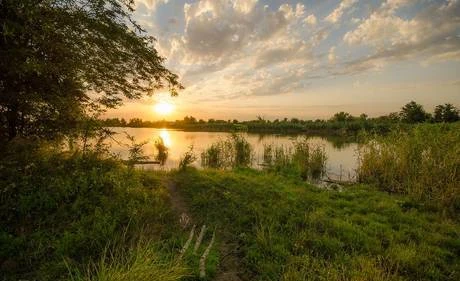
[
  {"x": 69, "y": 212},
  {"x": 289, "y": 230}
]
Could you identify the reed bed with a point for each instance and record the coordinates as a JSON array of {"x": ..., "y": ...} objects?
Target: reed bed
[
  {"x": 423, "y": 162},
  {"x": 233, "y": 152},
  {"x": 304, "y": 158}
]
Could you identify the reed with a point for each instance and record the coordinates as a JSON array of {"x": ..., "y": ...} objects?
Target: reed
[
  {"x": 187, "y": 160},
  {"x": 162, "y": 149},
  {"x": 233, "y": 152},
  {"x": 306, "y": 159},
  {"x": 423, "y": 162}
]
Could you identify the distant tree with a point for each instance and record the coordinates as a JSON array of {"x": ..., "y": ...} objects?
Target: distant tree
[
  {"x": 363, "y": 116},
  {"x": 61, "y": 59},
  {"x": 413, "y": 113},
  {"x": 394, "y": 116},
  {"x": 235, "y": 121},
  {"x": 446, "y": 113},
  {"x": 342, "y": 117},
  {"x": 211, "y": 120},
  {"x": 189, "y": 119},
  {"x": 295, "y": 120},
  {"x": 135, "y": 123}
]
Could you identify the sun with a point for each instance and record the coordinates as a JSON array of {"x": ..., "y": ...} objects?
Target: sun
[{"x": 163, "y": 108}]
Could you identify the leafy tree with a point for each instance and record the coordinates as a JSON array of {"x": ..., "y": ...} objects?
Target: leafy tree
[
  {"x": 413, "y": 113},
  {"x": 446, "y": 113},
  {"x": 63, "y": 59},
  {"x": 342, "y": 117}
]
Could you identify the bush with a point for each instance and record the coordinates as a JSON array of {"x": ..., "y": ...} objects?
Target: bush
[{"x": 186, "y": 160}]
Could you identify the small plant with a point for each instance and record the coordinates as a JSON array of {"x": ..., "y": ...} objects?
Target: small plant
[
  {"x": 162, "y": 149},
  {"x": 186, "y": 160},
  {"x": 136, "y": 150}
]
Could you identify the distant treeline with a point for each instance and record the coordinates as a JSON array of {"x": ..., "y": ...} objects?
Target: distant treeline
[{"x": 340, "y": 123}]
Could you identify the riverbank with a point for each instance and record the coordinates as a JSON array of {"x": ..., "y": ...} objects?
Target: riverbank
[{"x": 87, "y": 217}]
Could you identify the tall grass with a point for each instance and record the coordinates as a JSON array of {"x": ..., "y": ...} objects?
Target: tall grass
[
  {"x": 423, "y": 162},
  {"x": 141, "y": 262},
  {"x": 306, "y": 159},
  {"x": 233, "y": 152},
  {"x": 162, "y": 149},
  {"x": 187, "y": 159}
]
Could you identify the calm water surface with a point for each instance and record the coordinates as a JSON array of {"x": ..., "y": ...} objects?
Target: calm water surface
[{"x": 342, "y": 156}]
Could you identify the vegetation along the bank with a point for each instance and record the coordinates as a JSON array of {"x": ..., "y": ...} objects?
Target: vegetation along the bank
[{"x": 342, "y": 123}]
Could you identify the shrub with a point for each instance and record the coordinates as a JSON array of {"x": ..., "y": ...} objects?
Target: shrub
[
  {"x": 162, "y": 149},
  {"x": 186, "y": 160}
]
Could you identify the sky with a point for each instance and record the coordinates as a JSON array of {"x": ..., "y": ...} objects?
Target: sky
[{"x": 305, "y": 59}]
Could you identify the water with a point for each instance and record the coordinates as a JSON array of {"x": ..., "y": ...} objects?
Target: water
[{"x": 341, "y": 164}]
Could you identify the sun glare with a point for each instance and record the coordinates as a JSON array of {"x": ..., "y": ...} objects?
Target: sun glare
[{"x": 163, "y": 108}]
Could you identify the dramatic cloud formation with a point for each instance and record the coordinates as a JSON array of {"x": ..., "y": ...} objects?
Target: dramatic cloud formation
[{"x": 278, "y": 55}]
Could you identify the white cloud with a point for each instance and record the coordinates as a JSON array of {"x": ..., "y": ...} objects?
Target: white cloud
[
  {"x": 338, "y": 12},
  {"x": 151, "y": 4},
  {"x": 430, "y": 33},
  {"x": 311, "y": 20},
  {"x": 332, "y": 57}
]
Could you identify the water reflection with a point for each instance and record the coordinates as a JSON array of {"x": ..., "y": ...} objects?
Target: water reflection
[
  {"x": 341, "y": 152},
  {"x": 164, "y": 134}
]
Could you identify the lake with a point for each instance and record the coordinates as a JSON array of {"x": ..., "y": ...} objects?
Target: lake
[{"x": 342, "y": 155}]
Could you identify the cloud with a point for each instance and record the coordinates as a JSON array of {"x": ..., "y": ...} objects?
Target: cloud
[
  {"x": 332, "y": 57},
  {"x": 338, "y": 12},
  {"x": 429, "y": 34},
  {"x": 311, "y": 20},
  {"x": 150, "y": 4}
]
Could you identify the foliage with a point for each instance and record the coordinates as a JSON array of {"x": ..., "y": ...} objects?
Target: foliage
[
  {"x": 446, "y": 113},
  {"x": 423, "y": 162},
  {"x": 230, "y": 153},
  {"x": 284, "y": 229},
  {"x": 162, "y": 150},
  {"x": 135, "y": 150},
  {"x": 186, "y": 160},
  {"x": 342, "y": 117},
  {"x": 61, "y": 59},
  {"x": 413, "y": 113},
  {"x": 305, "y": 159},
  {"x": 60, "y": 210}
]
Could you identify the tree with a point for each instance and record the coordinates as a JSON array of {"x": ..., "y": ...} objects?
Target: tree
[
  {"x": 446, "y": 113},
  {"x": 342, "y": 117},
  {"x": 61, "y": 59},
  {"x": 413, "y": 113},
  {"x": 363, "y": 116}
]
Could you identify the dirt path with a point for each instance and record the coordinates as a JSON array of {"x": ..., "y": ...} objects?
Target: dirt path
[{"x": 229, "y": 266}]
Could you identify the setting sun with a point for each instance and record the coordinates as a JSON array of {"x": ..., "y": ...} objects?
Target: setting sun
[{"x": 163, "y": 108}]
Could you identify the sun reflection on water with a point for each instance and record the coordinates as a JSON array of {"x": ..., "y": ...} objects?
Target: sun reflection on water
[{"x": 164, "y": 134}]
